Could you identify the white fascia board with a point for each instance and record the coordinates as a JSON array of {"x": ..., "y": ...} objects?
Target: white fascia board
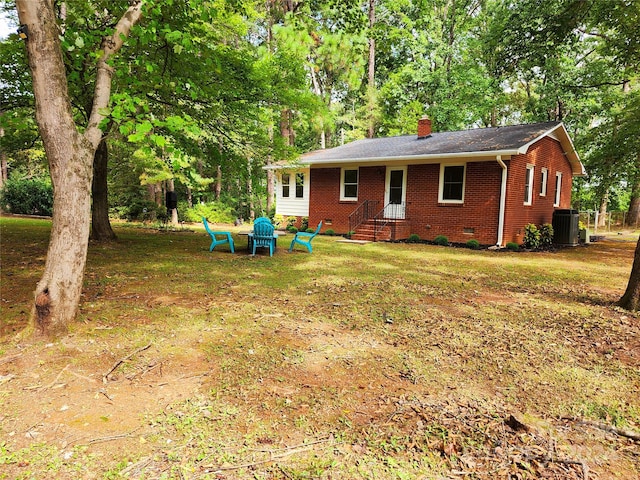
[
  {"x": 560, "y": 134},
  {"x": 413, "y": 159}
]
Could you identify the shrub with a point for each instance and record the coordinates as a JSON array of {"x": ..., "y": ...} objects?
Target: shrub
[
  {"x": 441, "y": 240},
  {"x": 291, "y": 221},
  {"x": 304, "y": 225},
  {"x": 513, "y": 246},
  {"x": 278, "y": 220},
  {"x": 215, "y": 212},
  {"x": 413, "y": 238},
  {"x": 546, "y": 236},
  {"x": 310, "y": 230},
  {"x": 292, "y": 229},
  {"x": 531, "y": 237},
  {"x": 330, "y": 232},
  {"x": 28, "y": 196},
  {"x": 142, "y": 210},
  {"x": 538, "y": 238},
  {"x": 473, "y": 244}
]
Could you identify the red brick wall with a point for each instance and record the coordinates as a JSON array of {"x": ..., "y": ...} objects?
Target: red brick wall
[
  {"x": 324, "y": 198},
  {"x": 545, "y": 153},
  {"x": 478, "y": 214},
  {"x": 477, "y": 218}
]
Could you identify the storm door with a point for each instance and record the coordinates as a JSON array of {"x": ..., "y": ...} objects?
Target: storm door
[{"x": 395, "y": 193}]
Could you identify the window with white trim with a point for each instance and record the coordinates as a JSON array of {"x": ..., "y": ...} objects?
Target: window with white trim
[
  {"x": 452, "y": 182},
  {"x": 556, "y": 201},
  {"x": 299, "y": 185},
  {"x": 286, "y": 180},
  {"x": 528, "y": 185},
  {"x": 349, "y": 184},
  {"x": 544, "y": 177}
]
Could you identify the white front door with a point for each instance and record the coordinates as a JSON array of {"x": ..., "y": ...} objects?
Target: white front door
[{"x": 395, "y": 193}]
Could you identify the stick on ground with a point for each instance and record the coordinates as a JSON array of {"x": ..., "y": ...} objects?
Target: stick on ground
[{"x": 105, "y": 377}]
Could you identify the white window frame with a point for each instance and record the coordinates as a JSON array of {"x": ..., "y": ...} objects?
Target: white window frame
[
  {"x": 544, "y": 178},
  {"x": 557, "y": 198},
  {"x": 343, "y": 197},
  {"x": 528, "y": 184},
  {"x": 296, "y": 183},
  {"x": 288, "y": 185},
  {"x": 443, "y": 166}
]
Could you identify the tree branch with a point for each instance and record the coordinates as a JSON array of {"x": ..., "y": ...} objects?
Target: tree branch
[{"x": 111, "y": 45}]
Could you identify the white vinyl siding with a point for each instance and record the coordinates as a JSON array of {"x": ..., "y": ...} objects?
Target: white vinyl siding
[{"x": 298, "y": 184}]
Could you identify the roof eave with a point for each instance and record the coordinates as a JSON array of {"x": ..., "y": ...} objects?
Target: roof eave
[
  {"x": 434, "y": 157},
  {"x": 577, "y": 168}
]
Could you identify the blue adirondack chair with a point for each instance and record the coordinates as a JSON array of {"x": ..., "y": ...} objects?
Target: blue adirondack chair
[
  {"x": 304, "y": 239},
  {"x": 261, "y": 219},
  {"x": 215, "y": 241},
  {"x": 263, "y": 236}
]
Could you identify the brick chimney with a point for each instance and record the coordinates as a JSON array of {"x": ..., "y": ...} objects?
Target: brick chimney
[{"x": 424, "y": 127}]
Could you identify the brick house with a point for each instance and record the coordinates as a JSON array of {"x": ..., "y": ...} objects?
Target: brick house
[{"x": 485, "y": 183}]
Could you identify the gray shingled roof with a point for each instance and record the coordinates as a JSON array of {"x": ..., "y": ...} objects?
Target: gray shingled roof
[{"x": 495, "y": 139}]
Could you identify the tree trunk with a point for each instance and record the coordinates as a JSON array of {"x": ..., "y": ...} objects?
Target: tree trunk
[
  {"x": 174, "y": 211},
  {"x": 218, "y": 184},
  {"x": 4, "y": 170},
  {"x": 602, "y": 214},
  {"x": 70, "y": 155},
  {"x": 631, "y": 298},
  {"x": 633, "y": 218},
  {"x": 371, "y": 71},
  {"x": 101, "y": 230}
]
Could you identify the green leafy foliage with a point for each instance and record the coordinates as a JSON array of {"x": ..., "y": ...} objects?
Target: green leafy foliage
[
  {"x": 513, "y": 246},
  {"x": 27, "y": 196},
  {"x": 473, "y": 244},
  {"x": 441, "y": 240},
  {"x": 215, "y": 212},
  {"x": 538, "y": 238},
  {"x": 413, "y": 238}
]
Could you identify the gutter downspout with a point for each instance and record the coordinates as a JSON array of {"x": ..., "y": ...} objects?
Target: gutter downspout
[{"x": 503, "y": 201}]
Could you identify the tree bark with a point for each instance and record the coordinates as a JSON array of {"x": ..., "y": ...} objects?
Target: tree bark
[
  {"x": 602, "y": 213},
  {"x": 101, "y": 230},
  {"x": 70, "y": 155},
  {"x": 631, "y": 298},
  {"x": 174, "y": 211},
  {"x": 371, "y": 86},
  {"x": 4, "y": 169}
]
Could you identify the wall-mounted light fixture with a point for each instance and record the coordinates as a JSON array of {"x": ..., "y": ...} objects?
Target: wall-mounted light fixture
[{"x": 23, "y": 32}]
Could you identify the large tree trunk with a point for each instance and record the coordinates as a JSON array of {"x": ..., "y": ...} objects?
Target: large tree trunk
[
  {"x": 631, "y": 298},
  {"x": 602, "y": 213},
  {"x": 371, "y": 86},
  {"x": 70, "y": 156},
  {"x": 101, "y": 230},
  {"x": 633, "y": 218},
  {"x": 4, "y": 171}
]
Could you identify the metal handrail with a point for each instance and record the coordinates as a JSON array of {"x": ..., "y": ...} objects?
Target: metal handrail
[
  {"x": 380, "y": 220},
  {"x": 361, "y": 214}
]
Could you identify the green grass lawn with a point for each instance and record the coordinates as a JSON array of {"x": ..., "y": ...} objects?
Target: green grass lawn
[{"x": 382, "y": 360}]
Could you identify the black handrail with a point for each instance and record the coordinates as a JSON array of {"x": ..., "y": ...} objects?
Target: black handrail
[
  {"x": 361, "y": 214},
  {"x": 382, "y": 218}
]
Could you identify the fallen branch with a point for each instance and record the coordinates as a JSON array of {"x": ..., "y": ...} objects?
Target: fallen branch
[
  {"x": 284, "y": 453},
  {"x": 607, "y": 428},
  {"x": 109, "y": 438},
  {"x": 105, "y": 377},
  {"x": 10, "y": 358},
  {"x": 564, "y": 461},
  {"x": 55, "y": 380}
]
